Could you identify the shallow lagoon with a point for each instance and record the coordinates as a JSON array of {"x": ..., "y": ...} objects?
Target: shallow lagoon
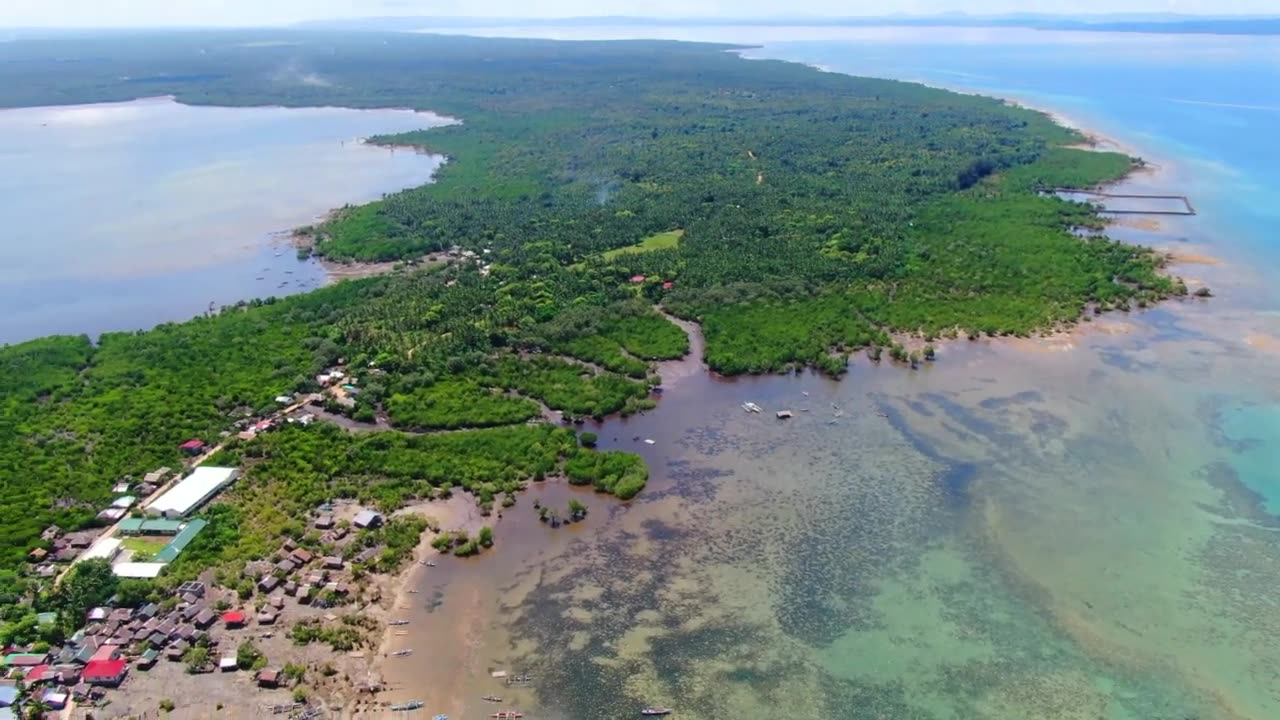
[
  {"x": 1066, "y": 528},
  {"x": 120, "y": 216}
]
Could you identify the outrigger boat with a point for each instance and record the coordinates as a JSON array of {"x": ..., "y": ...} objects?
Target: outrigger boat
[
  {"x": 491, "y": 698},
  {"x": 405, "y": 707},
  {"x": 656, "y": 712}
]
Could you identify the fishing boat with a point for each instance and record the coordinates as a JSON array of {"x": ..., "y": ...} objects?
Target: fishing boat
[
  {"x": 507, "y": 714},
  {"x": 406, "y": 707},
  {"x": 656, "y": 712},
  {"x": 751, "y": 407},
  {"x": 401, "y": 653},
  {"x": 491, "y": 698},
  {"x": 398, "y": 622}
]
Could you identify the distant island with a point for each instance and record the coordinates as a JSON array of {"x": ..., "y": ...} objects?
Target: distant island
[
  {"x": 593, "y": 192},
  {"x": 1109, "y": 22}
]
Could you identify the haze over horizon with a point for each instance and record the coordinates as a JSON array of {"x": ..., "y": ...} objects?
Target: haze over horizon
[{"x": 231, "y": 13}]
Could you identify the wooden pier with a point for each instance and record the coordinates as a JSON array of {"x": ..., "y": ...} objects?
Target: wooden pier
[{"x": 1189, "y": 208}]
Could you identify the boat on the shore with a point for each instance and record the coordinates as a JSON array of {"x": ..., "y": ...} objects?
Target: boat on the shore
[
  {"x": 656, "y": 712},
  {"x": 402, "y": 653},
  {"x": 491, "y": 698},
  {"x": 406, "y": 707},
  {"x": 398, "y": 622},
  {"x": 507, "y": 714}
]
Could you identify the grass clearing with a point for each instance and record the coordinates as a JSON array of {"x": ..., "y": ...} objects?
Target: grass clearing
[{"x": 660, "y": 241}]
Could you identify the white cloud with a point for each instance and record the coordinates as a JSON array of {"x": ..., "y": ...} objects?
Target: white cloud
[{"x": 117, "y": 13}]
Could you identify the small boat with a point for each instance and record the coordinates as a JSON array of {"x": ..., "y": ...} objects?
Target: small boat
[
  {"x": 783, "y": 414},
  {"x": 401, "y": 653},
  {"x": 429, "y": 563},
  {"x": 649, "y": 441},
  {"x": 402, "y": 632},
  {"x": 491, "y": 698},
  {"x": 405, "y": 707},
  {"x": 656, "y": 712},
  {"x": 751, "y": 407},
  {"x": 412, "y": 592},
  {"x": 507, "y": 714},
  {"x": 398, "y": 622},
  {"x": 440, "y": 717}
]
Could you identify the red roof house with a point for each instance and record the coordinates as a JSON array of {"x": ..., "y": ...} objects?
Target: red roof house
[
  {"x": 105, "y": 672},
  {"x": 233, "y": 618},
  {"x": 106, "y": 652},
  {"x": 637, "y": 279},
  {"x": 668, "y": 285},
  {"x": 39, "y": 673},
  {"x": 192, "y": 447}
]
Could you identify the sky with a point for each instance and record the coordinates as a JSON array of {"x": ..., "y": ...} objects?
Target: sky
[{"x": 134, "y": 13}]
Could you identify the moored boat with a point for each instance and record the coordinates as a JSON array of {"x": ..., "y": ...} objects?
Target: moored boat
[
  {"x": 491, "y": 698},
  {"x": 405, "y": 707},
  {"x": 507, "y": 714},
  {"x": 656, "y": 712}
]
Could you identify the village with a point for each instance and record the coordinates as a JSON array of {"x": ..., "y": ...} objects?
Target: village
[{"x": 209, "y": 640}]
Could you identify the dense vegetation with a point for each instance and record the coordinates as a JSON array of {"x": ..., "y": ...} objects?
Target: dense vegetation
[{"x": 818, "y": 213}]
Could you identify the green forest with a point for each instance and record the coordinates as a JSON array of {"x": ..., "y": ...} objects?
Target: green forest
[{"x": 798, "y": 215}]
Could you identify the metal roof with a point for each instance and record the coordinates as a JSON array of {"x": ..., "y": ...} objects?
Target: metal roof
[
  {"x": 170, "y": 552},
  {"x": 193, "y": 490}
]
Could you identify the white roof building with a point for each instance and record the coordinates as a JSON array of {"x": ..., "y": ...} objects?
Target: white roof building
[
  {"x": 137, "y": 569},
  {"x": 106, "y": 548},
  {"x": 124, "y": 501},
  {"x": 192, "y": 491}
]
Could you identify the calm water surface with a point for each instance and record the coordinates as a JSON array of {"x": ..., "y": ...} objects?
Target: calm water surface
[
  {"x": 121, "y": 216},
  {"x": 1066, "y": 529}
]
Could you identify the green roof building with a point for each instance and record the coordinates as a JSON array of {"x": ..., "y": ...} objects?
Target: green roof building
[{"x": 170, "y": 552}]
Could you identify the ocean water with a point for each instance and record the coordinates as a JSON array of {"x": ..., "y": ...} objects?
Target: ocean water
[
  {"x": 120, "y": 216},
  {"x": 1067, "y": 528}
]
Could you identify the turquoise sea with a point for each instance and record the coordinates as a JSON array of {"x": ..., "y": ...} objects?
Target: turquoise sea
[{"x": 1077, "y": 527}]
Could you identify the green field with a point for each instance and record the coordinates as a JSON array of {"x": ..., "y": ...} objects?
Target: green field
[{"x": 658, "y": 241}]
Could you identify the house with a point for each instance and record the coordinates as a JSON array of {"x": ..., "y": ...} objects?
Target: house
[
  {"x": 67, "y": 674},
  {"x": 8, "y": 695},
  {"x": 268, "y": 678},
  {"x": 367, "y": 555},
  {"x": 37, "y": 555},
  {"x": 333, "y": 562},
  {"x": 290, "y": 588},
  {"x": 38, "y": 674},
  {"x": 148, "y": 659},
  {"x": 368, "y": 519},
  {"x": 339, "y": 533},
  {"x": 120, "y": 487},
  {"x": 149, "y": 611},
  {"x": 111, "y": 515},
  {"x": 188, "y": 613},
  {"x": 284, "y": 399},
  {"x": 204, "y": 618},
  {"x": 301, "y": 556},
  {"x": 81, "y": 540},
  {"x": 286, "y": 565},
  {"x": 120, "y": 615},
  {"x": 266, "y": 618},
  {"x": 228, "y": 664},
  {"x": 637, "y": 279},
  {"x": 268, "y": 583},
  {"x": 97, "y": 614},
  {"x": 105, "y": 652},
  {"x": 194, "y": 446},
  {"x": 105, "y": 672},
  {"x": 304, "y": 595},
  {"x": 124, "y": 501},
  {"x": 55, "y": 699},
  {"x": 316, "y": 579},
  {"x": 176, "y": 651},
  {"x": 276, "y": 601},
  {"x": 324, "y": 522},
  {"x": 155, "y": 477},
  {"x": 25, "y": 660},
  {"x": 668, "y": 285},
  {"x": 233, "y": 618}
]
